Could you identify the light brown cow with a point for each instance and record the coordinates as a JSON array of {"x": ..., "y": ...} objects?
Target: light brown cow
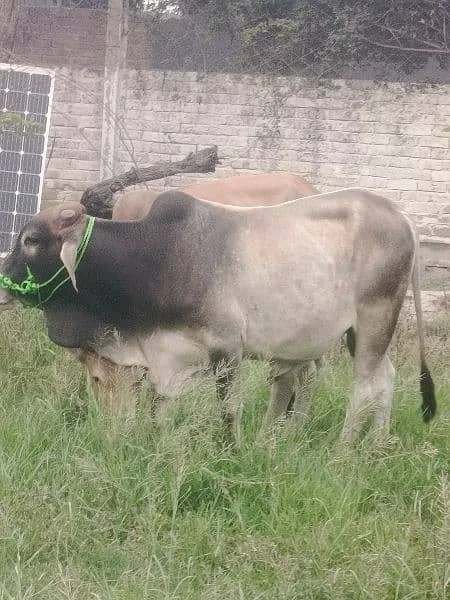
[{"x": 265, "y": 189}]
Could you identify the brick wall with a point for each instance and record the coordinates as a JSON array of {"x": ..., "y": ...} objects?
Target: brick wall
[
  {"x": 73, "y": 154},
  {"x": 49, "y": 37},
  {"x": 388, "y": 137}
]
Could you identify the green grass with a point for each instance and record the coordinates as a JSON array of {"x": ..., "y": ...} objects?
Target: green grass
[{"x": 93, "y": 508}]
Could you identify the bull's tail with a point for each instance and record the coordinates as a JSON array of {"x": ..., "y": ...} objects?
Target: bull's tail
[
  {"x": 427, "y": 390},
  {"x": 426, "y": 381}
]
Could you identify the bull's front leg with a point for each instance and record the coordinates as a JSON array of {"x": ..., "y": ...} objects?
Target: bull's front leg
[
  {"x": 292, "y": 389},
  {"x": 305, "y": 386},
  {"x": 282, "y": 380},
  {"x": 226, "y": 370}
]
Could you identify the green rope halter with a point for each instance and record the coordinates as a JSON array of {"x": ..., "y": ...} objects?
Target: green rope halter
[{"x": 29, "y": 291}]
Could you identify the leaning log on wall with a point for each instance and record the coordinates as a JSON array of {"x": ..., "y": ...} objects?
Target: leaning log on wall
[{"x": 98, "y": 199}]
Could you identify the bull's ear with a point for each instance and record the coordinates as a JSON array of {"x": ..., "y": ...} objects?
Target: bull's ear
[{"x": 71, "y": 226}]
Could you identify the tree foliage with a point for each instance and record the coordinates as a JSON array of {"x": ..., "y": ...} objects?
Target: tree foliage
[
  {"x": 14, "y": 122},
  {"x": 289, "y": 36}
]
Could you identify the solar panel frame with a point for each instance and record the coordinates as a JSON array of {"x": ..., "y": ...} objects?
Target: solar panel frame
[{"x": 24, "y": 187}]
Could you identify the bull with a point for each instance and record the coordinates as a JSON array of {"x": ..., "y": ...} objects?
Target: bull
[{"x": 281, "y": 283}]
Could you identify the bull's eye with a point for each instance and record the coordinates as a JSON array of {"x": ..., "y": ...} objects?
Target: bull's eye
[{"x": 31, "y": 241}]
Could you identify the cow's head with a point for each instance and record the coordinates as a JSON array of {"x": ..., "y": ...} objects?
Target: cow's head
[
  {"x": 111, "y": 383},
  {"x": 51, "y": 237}
]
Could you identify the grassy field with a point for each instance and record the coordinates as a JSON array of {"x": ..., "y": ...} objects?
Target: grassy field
[{"x": 93, "y": 508}]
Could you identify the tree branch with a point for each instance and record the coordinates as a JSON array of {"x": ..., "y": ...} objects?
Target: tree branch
[
  {"x": 98, "y": 199},
  {"x": 405, "y": 48}
]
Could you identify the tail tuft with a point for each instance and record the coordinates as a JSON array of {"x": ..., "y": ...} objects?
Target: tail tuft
[{"x": 427, "y": 391}]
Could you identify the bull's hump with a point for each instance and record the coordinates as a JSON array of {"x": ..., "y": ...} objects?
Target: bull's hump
[{"x": 172, "y": 207}]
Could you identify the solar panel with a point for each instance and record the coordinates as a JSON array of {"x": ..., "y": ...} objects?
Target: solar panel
[{"x": 25, "y": 103}]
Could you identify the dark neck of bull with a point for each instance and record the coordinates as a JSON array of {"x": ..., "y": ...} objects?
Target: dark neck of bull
[
  {"x": 154, "y": 272},
  {"x": 127, "y": 279}
]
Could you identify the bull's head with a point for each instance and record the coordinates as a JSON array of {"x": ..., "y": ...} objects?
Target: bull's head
[{"x": 51, "y": 237}]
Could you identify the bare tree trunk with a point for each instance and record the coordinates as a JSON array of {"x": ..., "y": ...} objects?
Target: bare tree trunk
[{"x": 98, "y": 199}]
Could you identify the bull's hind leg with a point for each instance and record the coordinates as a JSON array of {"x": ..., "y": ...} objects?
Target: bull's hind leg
[
  {"x": 372, "y": 395},
  {"x": 383, "y": 405},
  {"x": 373, "y": 371}
]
